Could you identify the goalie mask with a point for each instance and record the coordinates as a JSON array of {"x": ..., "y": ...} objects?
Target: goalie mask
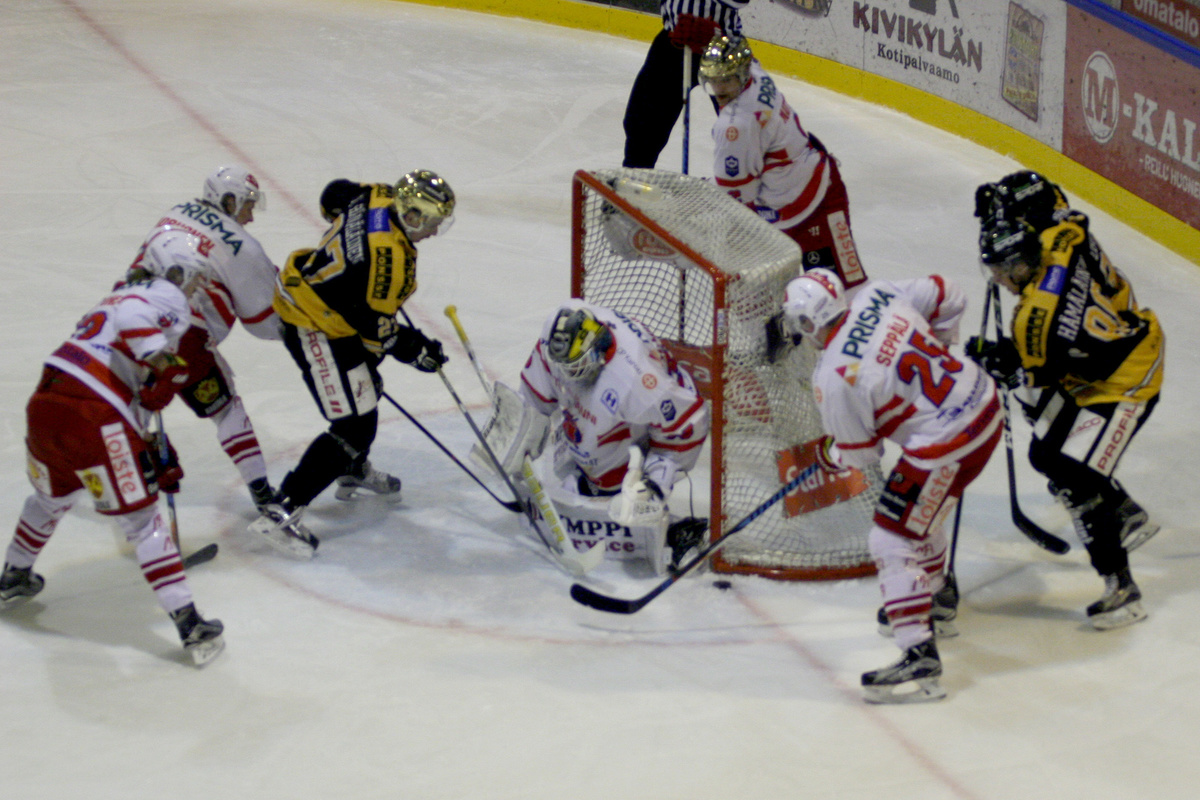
[
  {"x": 424, "y": 203},
  {"x": 725, "y": 67},
  {"x": 812, "y": 301},
  {"x": 579, "y": 344},
  {"x": 240, "y": 187},
  {"x": 174, "y": 255}
]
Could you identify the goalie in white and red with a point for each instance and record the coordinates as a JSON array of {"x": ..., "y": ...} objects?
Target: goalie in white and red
[
  {"x": 885, "y": 373},
  {"x": 630, "y": 423}
]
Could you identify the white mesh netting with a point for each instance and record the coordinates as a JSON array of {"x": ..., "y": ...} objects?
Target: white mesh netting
[{"x": 633, "y": 231}]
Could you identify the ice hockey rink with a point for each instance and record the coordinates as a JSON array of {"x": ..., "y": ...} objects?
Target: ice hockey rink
[{"x": 429, "y": 651}]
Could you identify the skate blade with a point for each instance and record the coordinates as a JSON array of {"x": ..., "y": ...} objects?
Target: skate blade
[
  {"x": 923, "y": 690},
  {"x": 302, "y": 544},
  {"x": 348, "y": 493},
  {"x": 204, "y": 652},
  {"x": 1119, "y": 617},
  {"x": 1140, "y": 536}
]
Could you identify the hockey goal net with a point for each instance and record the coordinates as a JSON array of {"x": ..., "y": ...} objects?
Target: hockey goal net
[{"x": 704, "y": 273}]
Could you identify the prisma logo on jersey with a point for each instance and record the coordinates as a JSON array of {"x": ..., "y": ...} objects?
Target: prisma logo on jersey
[{"x": 1101, "y": 97}]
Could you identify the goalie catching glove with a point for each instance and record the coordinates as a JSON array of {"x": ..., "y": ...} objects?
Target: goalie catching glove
[{"x": 998, "y": 359}]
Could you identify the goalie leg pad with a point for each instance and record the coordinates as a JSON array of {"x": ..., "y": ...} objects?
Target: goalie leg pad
[{"x": 513, "y": 430}]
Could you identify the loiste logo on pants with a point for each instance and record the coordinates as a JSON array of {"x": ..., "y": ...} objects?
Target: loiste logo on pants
[
  {"x": 123, "y": 463},
  {"x": 933, "y": 494}
]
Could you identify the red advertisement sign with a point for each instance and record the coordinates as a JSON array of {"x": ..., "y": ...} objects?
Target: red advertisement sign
[
  {"x": 1130, "y": 113},
  {"x": 822, "y": 489}
]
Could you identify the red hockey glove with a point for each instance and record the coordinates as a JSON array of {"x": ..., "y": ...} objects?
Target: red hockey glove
[
  {"x": 163, "y": 383},
  {"x": 693, "y": 32},
  {"x": 170, "y": 473}
]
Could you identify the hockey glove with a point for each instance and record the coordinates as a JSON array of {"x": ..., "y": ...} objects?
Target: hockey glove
[
  {"x": 164, "y": 382},
  {"x": 640, "y": 504},
  {"x": 779, "y": 341},
  {"x": 693, "y": 32},
  {"x": 999, "y": 359},
  {"x": 165, "y": 473},
  {"x": 414, "y": 347}
]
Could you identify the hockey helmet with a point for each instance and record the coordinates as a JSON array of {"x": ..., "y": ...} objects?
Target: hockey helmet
[
  {"x": 1010, "y": 249},
  {"x": 814, "y": 300},
  {"x": 235, "y": 182},
  {"x": 175, "y": 255},
  {"x": 579, "y": 344},
  {"x": 1023, "y": 194},
  {"x": 424, "y": 203},
  {"x": 725, "y": 64}
]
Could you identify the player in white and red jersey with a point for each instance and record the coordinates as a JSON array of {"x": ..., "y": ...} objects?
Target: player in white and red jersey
[
  {"x": 764, "y": 158},
  {"x": 241, "y": 288},
  {"x": 88, "y": 428},
  {"x": 617, "y": 387},
  {"x": 885, "y": 373}
]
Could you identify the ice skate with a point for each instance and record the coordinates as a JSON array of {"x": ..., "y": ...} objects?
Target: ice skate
[
  {"x": 366, "y": 480},
  {"x": 1121, "y": 604},
  {"x": 685, "y": 537},
  {"x": 1136, "y": 527},
  {"x": 912, "y": 679},
  {"x": 943, "y": 614},
  {"x": 280, "y": 526},
  {"x": 202, "y": 638},
  {"x": 261, "y": 493},
  {"x": 18, "y": 584}
]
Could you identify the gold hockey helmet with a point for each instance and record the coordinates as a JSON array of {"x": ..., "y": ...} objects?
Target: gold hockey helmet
[{"x": 425, "y": 204}]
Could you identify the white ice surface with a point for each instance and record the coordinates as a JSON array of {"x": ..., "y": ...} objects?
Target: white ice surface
[{"x": 428, "y": 651}]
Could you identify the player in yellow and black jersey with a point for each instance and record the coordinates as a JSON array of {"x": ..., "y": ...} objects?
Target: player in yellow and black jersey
[
  {"x": 338, "y": 303},
  {"x": 1093, "y": 360}
]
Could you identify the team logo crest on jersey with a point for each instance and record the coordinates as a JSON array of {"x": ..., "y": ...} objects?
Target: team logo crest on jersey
[
  {"x": 668, "y": 410},
  {"x": 167, "y": 321},
  {"x": 849, "y": 373},
  {"x": 571, "y": 428},
  {"x": 732, "y": 133},
  {"x": 206, "y": 390},
  {"x": 732, "y": 166},
  {"x": 610, "y": 400},
  {"x": 649, "y": 381}
]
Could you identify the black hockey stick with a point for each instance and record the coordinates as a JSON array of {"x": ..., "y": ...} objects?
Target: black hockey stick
[
  {"x": 1038, "y": 535},
  {"x": 209, "y": 551},
  {"x": 513, "y": 506},
  {"x": 617, "y": 605}
]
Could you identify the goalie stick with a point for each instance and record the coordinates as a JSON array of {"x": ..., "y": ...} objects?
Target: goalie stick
[
  {"x": 617, "y": 605},
  {"x": 452, "y": 313},
  {"x": 1038, "y": 535},
  {"x": 574, "y": 561}
]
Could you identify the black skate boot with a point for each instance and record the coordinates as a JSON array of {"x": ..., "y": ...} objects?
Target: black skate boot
[
  {"x": 684, "y": 538},
  {"x": 363, "y": 479},
  {"x": 202, "y": 638},
  {"x": 943, "y": 614},
  {"x": 18, "y": 584},
  {"x": 261, "y": 493},
  {"x": 912, "y": 679},
  {"x": 280, "y": 526},
  {"x": 1136, "y": 527},
  {"x": 1121, "y": 604}
]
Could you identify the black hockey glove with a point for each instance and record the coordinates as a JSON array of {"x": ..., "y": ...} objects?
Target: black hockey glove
[
  {"x": 779, "y": 343},
  {"x": 998, "y": 359},
  {"x": 414, "y": 347}
]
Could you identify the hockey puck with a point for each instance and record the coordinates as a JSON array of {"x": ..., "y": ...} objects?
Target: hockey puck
[{"x": 723, "y": 585}]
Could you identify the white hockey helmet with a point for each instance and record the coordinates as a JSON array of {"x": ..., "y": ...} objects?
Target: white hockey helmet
[
  {"x": 175, "y": 255},
  {"x": 424, "y": 203},
  {"x": 812, "y": 301},
  {"x": 579, "y": 344},
  {"x": 236, "y": 182}
]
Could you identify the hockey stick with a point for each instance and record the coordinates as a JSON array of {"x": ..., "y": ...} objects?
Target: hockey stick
[
  {"x": 617, "y": 605},
  {"x": 578, "y": 562},
  {"x": 1038, "y": 535},
  {"x": 510, "y": 505},
  {"x": 687, "y": 104},
  {"x": 209, "y": 551},
  {"x": 452, "y": 313}
]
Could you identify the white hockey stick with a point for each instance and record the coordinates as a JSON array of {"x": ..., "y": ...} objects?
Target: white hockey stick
[{"x": 577, "y": 562}]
